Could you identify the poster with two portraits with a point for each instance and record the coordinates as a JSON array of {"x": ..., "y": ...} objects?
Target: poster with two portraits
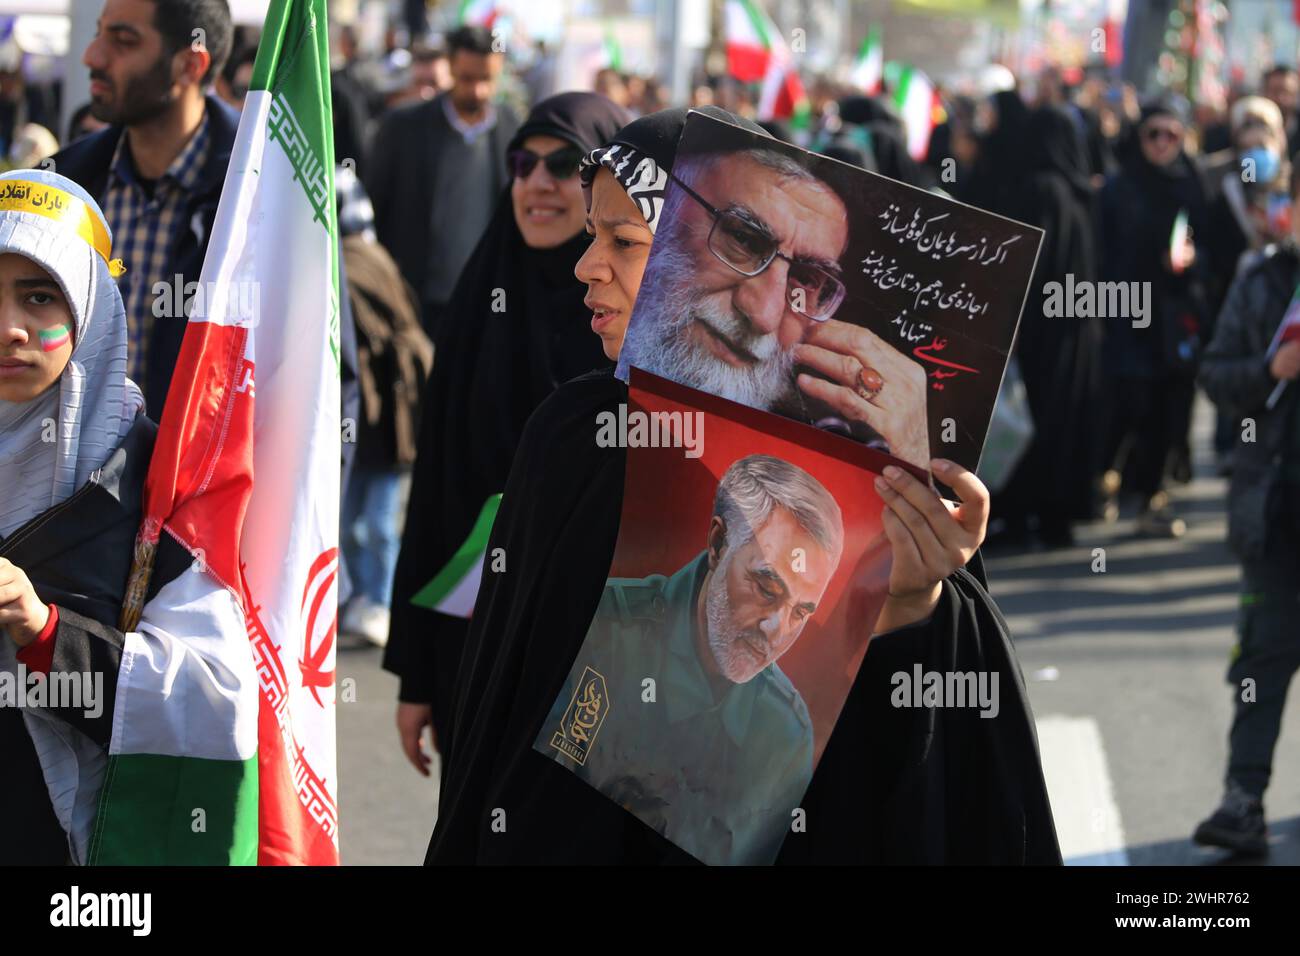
[{"x": 801, "y": 324}]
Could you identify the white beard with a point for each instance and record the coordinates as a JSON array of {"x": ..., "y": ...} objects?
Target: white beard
[
  {"x": 659, "y": 341},
  {"x": 727, "y": 643}
]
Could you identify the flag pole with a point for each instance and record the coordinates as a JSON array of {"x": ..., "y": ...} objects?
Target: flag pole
[{"x": 137, "y": 584}]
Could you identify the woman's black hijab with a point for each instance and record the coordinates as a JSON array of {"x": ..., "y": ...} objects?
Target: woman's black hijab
[
  {"x": 526, "y": 303},
  {"x": 515, "y": 328},
  {"x": 1056, "y": 145},
  {"x": 1176, "y": 185},
  {"x": 1002, "y": 164}
]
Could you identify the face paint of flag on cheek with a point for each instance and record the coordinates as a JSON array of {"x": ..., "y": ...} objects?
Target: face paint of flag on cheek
[{"x": 55, "y": 338}]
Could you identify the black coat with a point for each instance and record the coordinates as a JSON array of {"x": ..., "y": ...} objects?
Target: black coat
[
  {"x": 491, "y": 370},
  {"x": 1234, "y": 373},
  {"x": 894, "y": 785},
  {"x": 1058, "y": 356},
  {"x": 1137, "y": 208},
  {"x": 402, "y": 169},
  {"x": 78, "y": 555}
]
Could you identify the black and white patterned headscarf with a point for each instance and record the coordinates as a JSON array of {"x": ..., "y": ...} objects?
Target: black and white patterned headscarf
[{"x": 641, "y": 154}]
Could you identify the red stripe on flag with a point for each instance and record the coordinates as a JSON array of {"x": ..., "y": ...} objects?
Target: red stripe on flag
[
  {"x": 748, "y": 64},
  {"x": 297, "y": 818},
  {"x": 1115, "y": 42},
  {"x": 789, "y": 95},
  {"x": 201, "y": 474}
]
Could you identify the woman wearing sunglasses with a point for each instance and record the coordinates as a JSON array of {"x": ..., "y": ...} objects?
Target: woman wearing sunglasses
[
  {"x": 1151, "y": 360},
  {"x": 514, "y": 330}
]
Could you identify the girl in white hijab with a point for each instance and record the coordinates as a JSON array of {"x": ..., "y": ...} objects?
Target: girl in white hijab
[
  {"x": 62, "y": 351},
  {"x": 74, "y": 452}
]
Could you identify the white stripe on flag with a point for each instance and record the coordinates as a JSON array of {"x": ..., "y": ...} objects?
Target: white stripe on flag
[
  {"x": 187, "y": 686},
  {"x": 459, "y": 602}
]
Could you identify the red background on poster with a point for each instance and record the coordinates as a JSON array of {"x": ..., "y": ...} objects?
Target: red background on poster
[{"x": 668, "y": 501}]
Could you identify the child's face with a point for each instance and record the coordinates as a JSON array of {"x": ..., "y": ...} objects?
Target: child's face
[{"x": 36, "y": 329}]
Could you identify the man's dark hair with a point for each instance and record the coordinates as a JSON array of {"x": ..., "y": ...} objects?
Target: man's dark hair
[
  {"x": 1279, "y": 70},
  {"x": 177, "y": 20},
  {"x": 470, "y": 39},
  {"x": 427, "y": 52}
]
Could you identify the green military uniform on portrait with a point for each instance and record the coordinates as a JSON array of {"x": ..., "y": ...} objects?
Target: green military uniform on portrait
[{"x": 715, "y": 767}]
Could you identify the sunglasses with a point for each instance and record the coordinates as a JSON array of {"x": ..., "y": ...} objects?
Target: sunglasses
[
  {"x": 1154, "y": 133},
  {"x": 561, "y": 164}
]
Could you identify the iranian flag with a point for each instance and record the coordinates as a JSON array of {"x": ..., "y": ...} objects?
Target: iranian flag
[
  {"x": 477, "y": 13},
  {"x": 918, "y": 103},
  {"x": 757, "y": 53},
  {"x": 454, "y": 589},
  {"x": 868, "y": 69},
  {"x": 245, "y": 476}
]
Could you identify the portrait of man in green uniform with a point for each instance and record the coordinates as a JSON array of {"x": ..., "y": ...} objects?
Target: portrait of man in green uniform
[{"x": 676, "y": 707}]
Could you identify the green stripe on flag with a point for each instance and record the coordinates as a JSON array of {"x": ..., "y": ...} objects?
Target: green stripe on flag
[
  {"x": 613, "y": 50},
  {"x": 759, "y": 21},
  {"x": 463, "y": 561},
  {"x": 903, "y": 87},
  {"x": 870, "y": 42},
  {"x": 293, "y": 65},
  {"x": 176, "y": 811},
  {"x": 801, "y": 118}
]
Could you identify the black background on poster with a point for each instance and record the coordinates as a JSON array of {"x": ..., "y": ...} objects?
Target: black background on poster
[{"x": 980, "y": 343}]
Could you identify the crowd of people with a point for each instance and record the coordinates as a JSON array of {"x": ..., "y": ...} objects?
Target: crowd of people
[{"x": 492, "y": 261}]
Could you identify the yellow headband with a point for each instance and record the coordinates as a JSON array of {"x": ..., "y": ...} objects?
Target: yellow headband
[{"x": 21, "y": 195}]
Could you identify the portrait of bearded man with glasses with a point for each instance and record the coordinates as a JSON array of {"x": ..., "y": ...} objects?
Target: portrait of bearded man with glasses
[{"x": 740, "y": 298}]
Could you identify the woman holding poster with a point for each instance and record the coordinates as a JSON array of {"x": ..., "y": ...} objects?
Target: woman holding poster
[{"x": 895, "y": 783}]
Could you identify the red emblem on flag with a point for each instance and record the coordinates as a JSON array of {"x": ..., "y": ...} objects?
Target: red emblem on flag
[{"x": 322, "y": 622}]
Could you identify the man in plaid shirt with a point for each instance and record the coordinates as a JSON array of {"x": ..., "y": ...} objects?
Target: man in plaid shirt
[{"x": 158, "y": 169}]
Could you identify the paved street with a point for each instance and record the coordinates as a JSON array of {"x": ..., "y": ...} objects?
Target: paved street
[
  {"x": 1125, "y": 671},
  {"x": 1126, "y": 675},
  {"x": 386, "y": 809}
]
